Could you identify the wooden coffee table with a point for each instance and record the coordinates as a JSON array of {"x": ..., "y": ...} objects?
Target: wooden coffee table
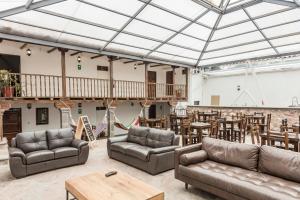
[{"x": 121, "y": 186}]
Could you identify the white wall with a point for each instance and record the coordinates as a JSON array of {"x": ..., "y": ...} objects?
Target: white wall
[{"x": 275, "y": 88}]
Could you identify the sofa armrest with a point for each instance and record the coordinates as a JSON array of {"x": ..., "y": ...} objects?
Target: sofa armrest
[
  {"x": 122, "y": 138},
  {"x": 184, "y": 150},
  {"x": 79, "y": 143},
  {"x": 163, "y": 149},
  {"x": 193, "y": 157},
  {"x": 176, "y": 140},
  {"x": 16, "y": 152}
]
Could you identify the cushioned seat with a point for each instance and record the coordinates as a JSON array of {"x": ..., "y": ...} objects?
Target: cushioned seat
[
  {"x": 241, "y": 182},
  {"x": 39, "y": 156},
  {"x": 138, "y": 151},
  {"x": 122, "y": 146},
  {"x": 63, "y": 152}
]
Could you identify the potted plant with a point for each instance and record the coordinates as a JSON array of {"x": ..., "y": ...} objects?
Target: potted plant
[{"x": 6, "y": 83}]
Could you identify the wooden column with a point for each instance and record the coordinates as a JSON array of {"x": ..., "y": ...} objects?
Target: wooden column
[
  {"x": 3, "y": 108},
  {"x": 174, "y": 88},
  {"x": 187, "y": 83},
  {"x": 146, "y": 79},
  {"x": 111, "y": 77},
  {"x": 63, "y": 71}
]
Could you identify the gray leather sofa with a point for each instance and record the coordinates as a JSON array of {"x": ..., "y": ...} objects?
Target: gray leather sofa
[
  {"x": 240, "y": 171},
  {"x": 148, "y": 149},
  {"x": 34, "y": 152}
]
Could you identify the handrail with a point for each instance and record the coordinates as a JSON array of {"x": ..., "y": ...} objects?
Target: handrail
[{"x": 25, "y": 85}]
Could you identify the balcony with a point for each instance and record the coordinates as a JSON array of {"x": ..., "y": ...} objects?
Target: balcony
[{"x": 38, "y": 86}]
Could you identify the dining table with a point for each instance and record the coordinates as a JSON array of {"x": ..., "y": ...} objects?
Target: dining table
[
  {"x": 200, "y": 126},
  {"x": 293, "y": 138},
  {"x": 153, "y": 121}
]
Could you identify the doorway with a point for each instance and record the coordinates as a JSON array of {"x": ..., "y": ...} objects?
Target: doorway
[
  {"x": 12, "y": 123},
  {"x": 152, "y": 111},
  {"x": 170, "y": 82},
  {"x": 151, "y": 84}
]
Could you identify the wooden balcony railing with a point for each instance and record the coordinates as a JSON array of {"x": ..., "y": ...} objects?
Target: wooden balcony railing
[
  {"x": 79, "y": 87},
  {"x": 50, "y": 86}
]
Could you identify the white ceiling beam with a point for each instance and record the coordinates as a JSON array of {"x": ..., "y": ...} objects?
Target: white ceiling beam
[
  {"x": 31, "y": 6},
  {"x": 282, "y": 3},
  {"x": 28, "y": 3}
]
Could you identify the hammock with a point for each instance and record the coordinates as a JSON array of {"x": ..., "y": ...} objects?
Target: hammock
[
  {"x": 134, "y": 122},
  {"x": 101, "y": 126}
]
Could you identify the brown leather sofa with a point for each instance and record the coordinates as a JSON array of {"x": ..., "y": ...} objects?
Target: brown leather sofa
[
  {"x": 148, "y": 149},
  {"x": 239, "y": 171},
  {"x": 39, "y": 151}
]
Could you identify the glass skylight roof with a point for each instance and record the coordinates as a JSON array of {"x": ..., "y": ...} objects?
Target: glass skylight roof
[{"x": 182, "y": 32}]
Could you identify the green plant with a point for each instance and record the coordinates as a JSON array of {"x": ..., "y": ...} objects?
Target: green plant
[{"x": 4, "y": 78}]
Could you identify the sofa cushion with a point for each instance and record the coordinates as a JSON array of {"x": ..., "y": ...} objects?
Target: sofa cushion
[
  {"x": 193, "y": 157},
  {"x": 39, "y": 156},
  {"x": 159, "y": 138},
  {"x": 241, "y": 182},
  {"x": 60, "y": 137},
  {"x": 138, "y": 151},
  {"x": 31, "y": 141},
  {"x": 236, "y": 154},
  {"x": 63, "y": 152},
  {"x": 121, "y": 146},
  {"x": 280, "y": 163},
  {"x": 138, "y": 135}
]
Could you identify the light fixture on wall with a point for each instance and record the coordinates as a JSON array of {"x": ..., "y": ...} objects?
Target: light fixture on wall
[
  {"x": 29, "y": 106},
  {"x": 78, "y": 59},
  {"x": 134, "y": 66},
  {"x": 28, "y": 52}
]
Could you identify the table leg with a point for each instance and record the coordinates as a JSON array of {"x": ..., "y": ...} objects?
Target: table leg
[{"x": 67, "y": 195}]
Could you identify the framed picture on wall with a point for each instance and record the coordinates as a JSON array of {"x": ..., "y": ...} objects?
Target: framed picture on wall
[{"x": 42, "y": 116}]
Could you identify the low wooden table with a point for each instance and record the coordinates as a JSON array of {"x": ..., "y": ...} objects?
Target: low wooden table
[{"x": 121, "y": 186}]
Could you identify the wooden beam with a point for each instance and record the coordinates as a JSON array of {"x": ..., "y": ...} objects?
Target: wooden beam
[
  {"x": 97, "y": 56},
  {"x": 146, "y": 79},
  {"x": 173, "y": 74},
  {"x": 23, "y": 46},
  {"x": 187, "y": 82},
  {"x": 132, "y": 61},
  {"x": 1, "y": 40},
  {"x": 63, "y": 71},
  {"x": 51, "y": 50},
  {"x": 158, "y": 65},
  {"x": 73, "y": 54},
  {"x": 111, "y": 77}
]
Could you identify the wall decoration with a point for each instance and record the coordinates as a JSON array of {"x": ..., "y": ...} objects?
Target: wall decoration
[
  {"x": 42, "y": 116},
  {"x": 79, "y": 66}
]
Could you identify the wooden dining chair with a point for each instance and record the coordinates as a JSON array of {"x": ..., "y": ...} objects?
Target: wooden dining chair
[
  {"x": 266, "y": 126},
  {"x": 223, "y": 131},
  {"x": 254, "y": 132},
  {"x": 200, "y": 116},
  {"x": 239, "y": 133},
  {"x": 191, "y": 116},
  {"x": 281, "y": 137},
  {"x": 188, "y": 137},
  {"x": 143, "y": 121},
  {"x": 214, "y": 130},
  {"x": 259, "y": 113},
  {"x": 173, "y": 123},
  {"x": 163, "y": 122}
]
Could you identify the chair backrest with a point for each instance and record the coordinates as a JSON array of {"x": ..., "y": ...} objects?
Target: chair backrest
[
  {"x": 254, "y": 131},
  {"x": 185, "y": 126},
  {"x": 259, "y": 113},
  {"x": 200, "y": 116},
  {"x": 283, "y": 136},
  {"x": 191, "y": 116},
  {"x": 269, "y": 117},
  {"x": 163, "y": 122},
  {"x": 215, "y": 125},
  {"x": 143, "y": 121}
]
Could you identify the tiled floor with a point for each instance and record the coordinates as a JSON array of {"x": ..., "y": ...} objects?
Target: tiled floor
[{"x": 50, "y": 185}]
